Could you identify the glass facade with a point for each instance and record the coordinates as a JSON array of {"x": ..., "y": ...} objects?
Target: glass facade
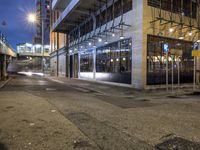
[
  {"x": 113, "y": 62},
  {"x": 188, "y": 7},
  {"x": 86, "y": 61},
  {"x": 156, "y": 60}
]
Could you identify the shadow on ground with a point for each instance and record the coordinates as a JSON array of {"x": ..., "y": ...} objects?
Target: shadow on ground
[{"x": 3, "y": 147}]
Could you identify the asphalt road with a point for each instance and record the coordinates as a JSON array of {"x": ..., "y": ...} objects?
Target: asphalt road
[{"x": 39, "y": 113}]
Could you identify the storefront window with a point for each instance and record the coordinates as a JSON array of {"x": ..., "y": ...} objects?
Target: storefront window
[
  {"x": 156, "y": 60},
  {"x": 86, "y": 61},
  {"x": 115, "y": 59}
]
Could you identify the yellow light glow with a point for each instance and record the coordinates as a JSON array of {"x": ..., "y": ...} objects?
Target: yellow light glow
[
  {"x": 171, "y": 30},
  {"x": 31, "y": 18}
]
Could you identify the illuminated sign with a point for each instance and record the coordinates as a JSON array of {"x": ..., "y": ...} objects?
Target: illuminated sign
[
  {"x": 196, "y": 46},
  {"x": 166, "y": 48}
]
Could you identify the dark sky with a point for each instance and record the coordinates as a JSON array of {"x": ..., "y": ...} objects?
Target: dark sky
[{"x": 17, "y": 29}]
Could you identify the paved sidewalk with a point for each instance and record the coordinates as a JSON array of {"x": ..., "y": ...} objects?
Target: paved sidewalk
[
  {"x": 30, "y": 122},
  {"x": 3, "y": 83},
  {"x": 120, "y": 91}
]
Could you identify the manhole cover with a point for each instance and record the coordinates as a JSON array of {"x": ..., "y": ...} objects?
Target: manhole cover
[{"x": 178, "y": 144}]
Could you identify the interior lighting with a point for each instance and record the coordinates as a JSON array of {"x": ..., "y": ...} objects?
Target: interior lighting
[
  {"x": 190, "y": 33},
  {"x": 89, "y": 43},
  {"x": 113, "y": 34},
  {"x": 106, "y": 42},
  {"x": 181, "y": 38},
  {"x": 121, "y": 37},
  {"x": 171, "y": 30},
  {"x": 100, "y": 39}
]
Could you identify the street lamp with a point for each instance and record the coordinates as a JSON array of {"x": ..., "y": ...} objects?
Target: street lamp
[{"x": 33, "y": 19}]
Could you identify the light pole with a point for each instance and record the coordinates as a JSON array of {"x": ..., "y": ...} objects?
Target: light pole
[{"x": 33, "y": 19}]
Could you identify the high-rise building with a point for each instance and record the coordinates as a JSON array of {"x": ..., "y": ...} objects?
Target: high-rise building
[{"x": 42, "y": 12}]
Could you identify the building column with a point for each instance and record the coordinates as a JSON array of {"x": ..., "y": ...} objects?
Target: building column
[
  {"x": 94, "y": 63},
  {"x": 1, "y": 62},
  {"x": 4, "y": 69},
  {"x": 138, "y": 47},
  {"x": 57, "y": 59},
  {"x": 198, "y": 71}
]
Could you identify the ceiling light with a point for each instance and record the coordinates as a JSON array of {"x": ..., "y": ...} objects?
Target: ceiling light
[
  {"x": 121, "y": 37},
  {"x": 171, "y": 30},
  {"x": 181, "y": 38},
  {"x": 190, "y": 33},
  {"x": 89, "y": 43},
  {"x": 100, "y": 39}
]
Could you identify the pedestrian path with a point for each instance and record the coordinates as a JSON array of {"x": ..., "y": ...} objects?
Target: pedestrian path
[
  {"x": 3, "y": 83},
  {"x": 120, "y": 91}
]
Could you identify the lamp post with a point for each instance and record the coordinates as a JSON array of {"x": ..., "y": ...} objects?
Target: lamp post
[{"x": 32, "y": 19}]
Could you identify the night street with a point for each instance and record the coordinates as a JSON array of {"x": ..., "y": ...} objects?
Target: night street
[
  {"x": 100, "y": 74},
  {"x": 40, "y": 113}
]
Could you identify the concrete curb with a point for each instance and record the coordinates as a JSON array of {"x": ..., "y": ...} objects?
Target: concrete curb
[{"x": 3, "y": 83}]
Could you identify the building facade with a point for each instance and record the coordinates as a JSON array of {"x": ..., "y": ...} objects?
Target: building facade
[
  {"x": 122, "y": 41},
  {"x": 42, "y": 11}
]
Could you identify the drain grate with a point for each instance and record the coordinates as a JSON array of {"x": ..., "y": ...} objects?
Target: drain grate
[{"x": 178, "y": 143}]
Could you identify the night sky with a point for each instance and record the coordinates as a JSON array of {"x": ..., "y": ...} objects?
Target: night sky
[{"x": 13, "y": 21}]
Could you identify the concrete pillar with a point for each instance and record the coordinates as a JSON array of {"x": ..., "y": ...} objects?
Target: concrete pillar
[
  {"x": 198, "y": 71},
  {"x": 57, "y": 66},
  {"x": 4, "y": 69},
  {"x": 138, "y": 46},
  {"x": 0, "y": 67},
  {"x": 94, "y": 63}
]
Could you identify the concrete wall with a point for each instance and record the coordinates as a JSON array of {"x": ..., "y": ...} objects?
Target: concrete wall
[
  {"x": 54, "y": 64},
  {"x": 62, "y": 65}
]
